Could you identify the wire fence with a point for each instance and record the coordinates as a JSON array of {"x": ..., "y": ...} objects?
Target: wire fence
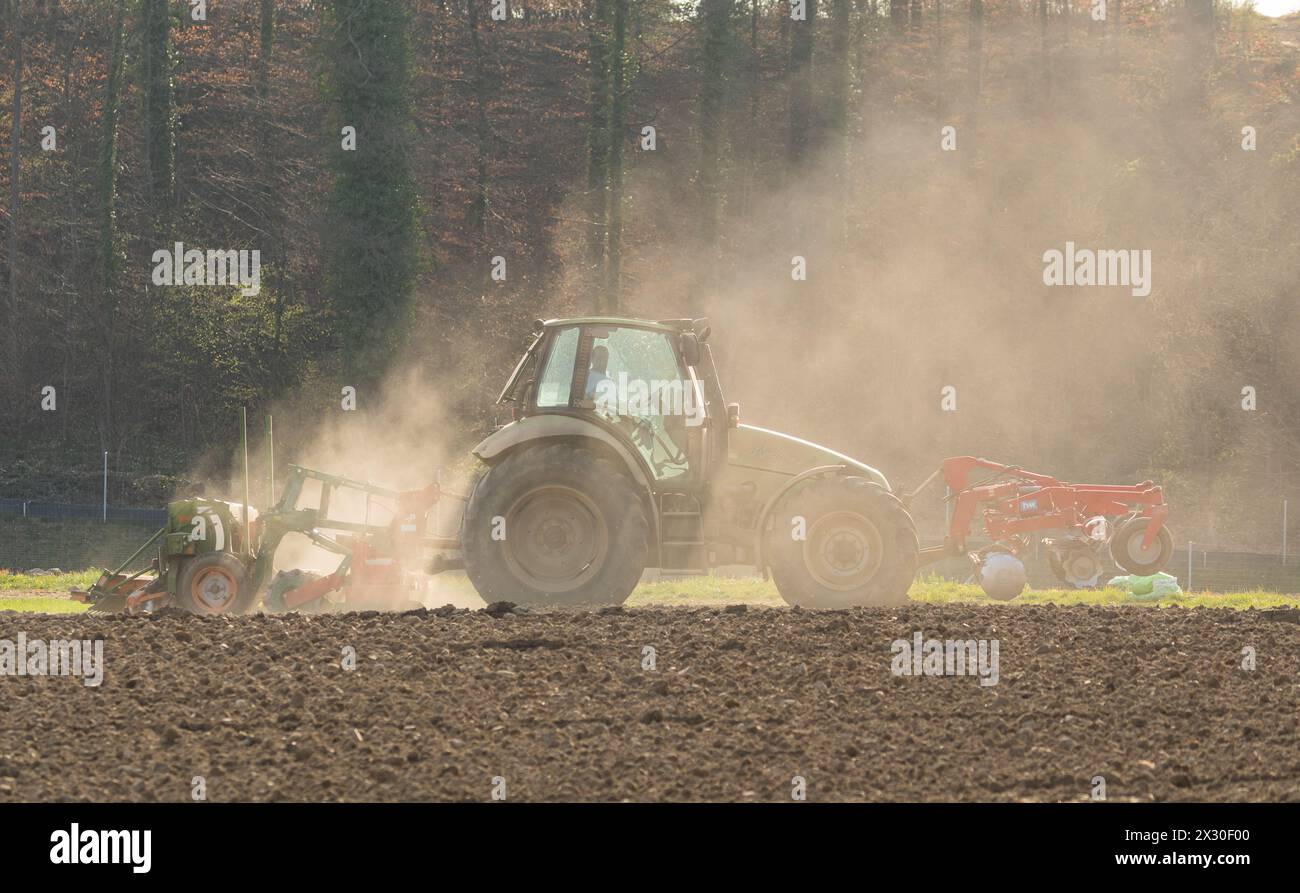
[
  {"x": 26, "y": 508},
  {"x": 28, "y": 544},
  {"x": 57, "y": 483},
  {"x": 71, "y": 537}
]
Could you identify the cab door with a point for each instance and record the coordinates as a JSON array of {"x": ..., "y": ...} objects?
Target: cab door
[{"x": 632, "y": 380}]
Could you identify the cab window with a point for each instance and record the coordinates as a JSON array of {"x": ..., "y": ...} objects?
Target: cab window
[
  {"x": 557, "y": 378},
  {"x": 634, "y": 381}
]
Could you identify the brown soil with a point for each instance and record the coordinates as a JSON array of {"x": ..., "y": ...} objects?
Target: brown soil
[{"x": 1156, "y": 701}]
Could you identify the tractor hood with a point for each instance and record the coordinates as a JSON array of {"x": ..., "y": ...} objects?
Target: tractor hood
[{"x": 772, "y": 451}]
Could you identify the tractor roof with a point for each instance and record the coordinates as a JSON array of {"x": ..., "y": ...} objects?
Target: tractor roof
[{"x": 663, "y": 325}]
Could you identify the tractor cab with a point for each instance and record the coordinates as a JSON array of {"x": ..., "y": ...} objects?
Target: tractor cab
[{"x": 650, "y": 386}]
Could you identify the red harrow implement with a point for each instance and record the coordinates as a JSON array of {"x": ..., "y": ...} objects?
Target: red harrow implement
[{"x": 1020, "y": 506}]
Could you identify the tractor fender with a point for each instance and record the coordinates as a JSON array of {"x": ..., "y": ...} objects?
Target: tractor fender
[
  {"x": 552, "y": 426},
  {"x": 794, "y": 482},
  {"x": 540, "y": 427}
]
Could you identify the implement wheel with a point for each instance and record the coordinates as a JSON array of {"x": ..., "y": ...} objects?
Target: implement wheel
[
  {"x": 1126, "y": 548},
  {"x": 216, "y": 583}
]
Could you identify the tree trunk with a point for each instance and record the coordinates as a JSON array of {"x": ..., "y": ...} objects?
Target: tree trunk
[
  {"x": 72, "y": 306},
  {"x": 478, "y": 214},
  {"x": 802, "y": 117},
  {"x": 862, "y": 10},
  {"x": 266, "y": 43},
  {"x": 863, "y": 73},
  {"x": 784, "y": 29},
  {"x": 1119, "y": 17},
  {"x": 1045, "y": 71},
  {"x": 841, "y": 31},
  {"x": 838, "y": 117},
  {"x": 271, "y": 213},
  {"x": 617, "y": 132},
  {"x": 940, "y": 86},
  {"x": 1200, "y": 20},
  {"x": 976, "y": 59},
  {"x": 159, "y": 106},
  {"x": 598, "y": 109},
  {"x": 715, "y": 16},
  {"x": 372, "y": 221},
  {"x": 754, "y": 93},
  {"x": 15, "y": 315},
  {"x": 107, "y": 253}
]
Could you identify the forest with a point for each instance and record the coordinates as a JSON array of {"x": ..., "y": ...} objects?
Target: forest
[{"x": 860, "y": 195}]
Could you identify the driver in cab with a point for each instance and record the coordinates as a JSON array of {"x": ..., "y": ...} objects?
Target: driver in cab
[{"x": 598, "y": 372}]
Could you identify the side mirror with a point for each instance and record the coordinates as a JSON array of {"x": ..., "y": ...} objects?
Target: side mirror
[
  {"x": 690, "y": 346},
  {"x": 733, "y": 415}
]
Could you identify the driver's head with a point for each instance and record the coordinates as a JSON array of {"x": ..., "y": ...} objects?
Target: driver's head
[{"x": 599, "y": 358}]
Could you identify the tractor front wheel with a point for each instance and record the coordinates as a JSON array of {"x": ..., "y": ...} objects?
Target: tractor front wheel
[
  {"x": 215, "y": 583},
  {"x": 842, "y": 541},
  {"x": 555, "y": 524}
]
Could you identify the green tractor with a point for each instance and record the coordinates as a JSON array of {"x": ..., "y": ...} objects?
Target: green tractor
[{"x": 624, "y": 454}]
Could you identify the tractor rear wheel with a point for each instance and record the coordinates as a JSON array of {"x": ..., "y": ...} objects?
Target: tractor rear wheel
[
  {"x": 215, "y": 583},
  {"x": 555, "y": 524},
  {"x": 842, "y": 541},
  {"x": 1126, "y": 548}
]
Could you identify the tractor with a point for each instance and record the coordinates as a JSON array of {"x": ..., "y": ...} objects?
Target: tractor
[{"x": 623, "y": 454}]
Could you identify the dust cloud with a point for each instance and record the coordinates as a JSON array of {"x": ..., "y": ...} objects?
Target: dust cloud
[
  {"x": 925, "y": 269},
  {"x": 925, "y": 272}
]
